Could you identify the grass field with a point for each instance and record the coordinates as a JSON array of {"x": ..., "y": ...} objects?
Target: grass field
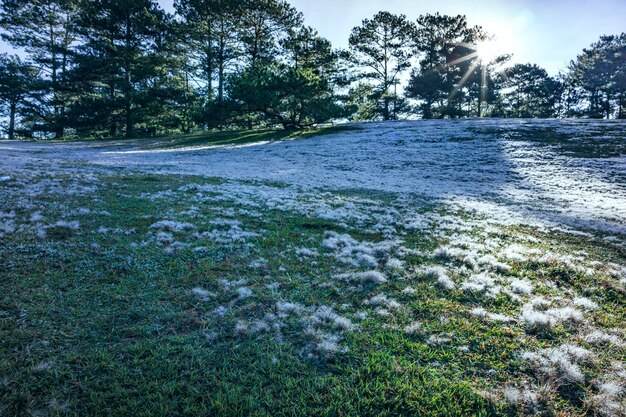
[{"x": 130, "y": 292}]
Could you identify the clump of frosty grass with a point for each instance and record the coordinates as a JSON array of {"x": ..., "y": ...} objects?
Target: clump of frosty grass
[
  {"x": 559, "y": 364},
  {"x": 413, "y": 328},
  {"x": 172, "y": 226},
  {"x": 383, "y": 300},
  {"x": 323, "y": 329},
  {"x": 482, "y": 283},
  {"x": 538, "y": 319},
  {"x": 372, "y": 277},
  {"x": 440, "y": 274},
  {"x": 609, "y": 401},
  {"x": 521, "y": 287},
  {"x": 521, "y": 396}
]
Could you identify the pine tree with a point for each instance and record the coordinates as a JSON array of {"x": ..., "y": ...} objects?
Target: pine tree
[
  {"x": 600, "y": 72},
  {"x": 380, "y": 46},
  {"x": 45, "y": 29},
  {"x": 121, "y": 64},
  {"x": 213, "y": 40},
  {"x": 265, "y": 23},
  {"x": 530, "y": 92},
  {"x": 445, "y": 45},
  {"x": 18, "y": 81},
  {"x": 296, "y": 91}
]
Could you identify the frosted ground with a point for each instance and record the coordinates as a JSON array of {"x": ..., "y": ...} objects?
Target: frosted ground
[{"x": 442, "y": 268}]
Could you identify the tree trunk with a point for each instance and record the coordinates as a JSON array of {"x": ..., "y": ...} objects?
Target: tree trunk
[
  {"x": 222, "y": 47},
  {"x": 129, "y": 86},
  {"x": 129, "y": 116},
  {"x": 12, "y": 112}
]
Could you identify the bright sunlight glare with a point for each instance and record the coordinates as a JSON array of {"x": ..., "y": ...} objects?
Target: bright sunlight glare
[{"x": 488, "y": 51}]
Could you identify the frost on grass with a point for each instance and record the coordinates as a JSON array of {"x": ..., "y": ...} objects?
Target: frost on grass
[
  {"x": 440, "y": 274},
  {"x": 306, "y": 252},
  {"x": 610, "y": 399},
  {"x": 518, "y": 253},
  {"x": 539, "y": 319},
  {"x": 350, "y": 251},
  {"x": 448, "y": 253},
  {"x": 366, "y": 277},
  {"x": 72, "y": 225},
  {"x": 604, "y": 339},
  {"x": 384, "y": 301},
  {"x": 172, "y": 226},
  {"x": 482, "y": 313},
  {"x": 243, "y": 293},
  {"x": 323, "y": 330},
  {"x": 521, "y": 397},
  {"x": 521, "y": 287},
  {"x": 585, "y": 303},
  {"x": 326, "y": 315},
  {"x": 7, "y": 223},
  {"x": 413, "y": 328},
  {"x": 202, "y": 293},
  {"x": 233, "y": 234},
  {"x": 483, "y": 283},
  {"x": 395, "y": 264},
  {"x": 490, "y": 262},
  {"x": 409, "y": 291},
  {"x": 438, "y": 339},
  {"x": 559, "y": 364},
  {"x": 286, "y": 308}
]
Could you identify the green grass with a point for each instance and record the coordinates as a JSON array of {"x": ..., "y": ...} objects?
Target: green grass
[{"x": 105, "y": 324}]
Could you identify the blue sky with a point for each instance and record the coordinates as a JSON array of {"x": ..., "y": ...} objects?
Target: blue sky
[{"x": 549, "y": 33}]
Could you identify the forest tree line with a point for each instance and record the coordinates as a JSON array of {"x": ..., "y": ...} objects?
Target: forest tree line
[{"x": 111, "y": 68}]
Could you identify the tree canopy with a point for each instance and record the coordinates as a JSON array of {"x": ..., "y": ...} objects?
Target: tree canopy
[{"x": 111, "y": 68}]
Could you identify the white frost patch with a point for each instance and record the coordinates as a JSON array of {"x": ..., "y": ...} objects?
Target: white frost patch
[
  {"x": 601, "y": 338},
  {"x": 435, "y": 339},
  {"x": 286, "y": 308},
  {"x": 585, "y": 303},
  {"x": 326, "y": 315},
  {"x": 540, "y": 319},
  {"x": 482, "y": 313},
  {"x": 609, "y": 400},
  {"x": 482, "y": 283},
  {"x": 409, "y": 291},
  {"x": 36, "y": 217},
  {"x": 440, "y": 274},
  {"x": 373, "y": 277},
  {"x": 383, "y": 300},
  {"x": 243, "y": 293},
  {"x": 202, "y": 293},
  {"x": 306, "y": 252},
  {"x": 492, "y": 263},
  {"x": 163, "y": 237},
  {"x": 518, "y": 253},
  {"x": 73, "y": 225},
  {"x": 521, "y": 287},
  {"x": 350, "y": 251},
  {"x": 561, "y": 363},
  {"x": 520, "y": 396},
  {"x": 395, "y": 264},
  {"x": 172, "y": 226},
  {"x": 413, "y": 328}
]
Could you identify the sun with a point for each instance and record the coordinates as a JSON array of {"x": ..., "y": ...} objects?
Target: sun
[{"x": 488, "y": 51}]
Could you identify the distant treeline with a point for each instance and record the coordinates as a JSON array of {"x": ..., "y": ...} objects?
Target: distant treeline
[{"x": 108, "y": 68}]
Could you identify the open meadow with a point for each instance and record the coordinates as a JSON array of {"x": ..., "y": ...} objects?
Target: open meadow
[{"x": 423, "y": 268}]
